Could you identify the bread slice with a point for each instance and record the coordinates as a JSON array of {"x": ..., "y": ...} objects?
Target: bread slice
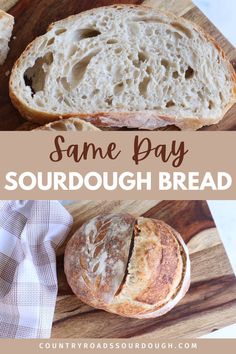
[
  {"x": 124, "y": 66},
  {"x": 6, "y": 27},
  {"x": 70, "y": 124}
]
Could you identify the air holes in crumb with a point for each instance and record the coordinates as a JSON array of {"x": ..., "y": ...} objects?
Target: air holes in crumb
[
  {"x": 109, "y": 101},
  {"x": 105, "y": 19},
  {"x": 210, "y": 104},
  {"x": 200, "y": 95},
  {"x": 72, "y": 51},
  {"x": 136, "y": 63},
  {"x": 84, "y": 97},
  {"x": 85, "y": 33},
  {"x": 175, "y": 74},
  {"x": 60, "y": 31},
  {"x": 165, "y": 63},
  {"x": 221, "y": 96},
  {"x": 170, "y": 104},
  {"x": 143, "y": 86},
  {"x": 51, "y": 41},
  {"x": 65, "y": 84},
  {"x": 112, "y": 41},
  {"x": 35, "y": 76},
  {"x": 179, "y": 27},
  {"x": 142, "y": 56},
  {"x": 189, "y": 73},
  {"x": 65, "y": 100},
  {"x": 148, "y": 32},
  {"x": 141, "y": 13},
  {"x": 118, "y": 50},
  {"x": 39, "y": 103},
  {"x": 177, "y": 35},
  {"x": 79, "y": 69},
  {"x": 28, "y": 82},
  {"x": 136, "y": 74},
  {"x": 118, "y": 88},
  {"x": 147, "y": 19}
]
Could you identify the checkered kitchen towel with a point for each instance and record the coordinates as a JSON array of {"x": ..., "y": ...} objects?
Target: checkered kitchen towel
[{"x": 30, "y": 231}]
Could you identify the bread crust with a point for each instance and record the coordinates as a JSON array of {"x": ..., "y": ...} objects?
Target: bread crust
[
  {"x": 155, "y": 277},
  {"x": 9, "y": 19},
  {"x": 70, "y": 124},
  {"x": 4, "y": 14},
  {"x": 135, "y": 119},
  {"x": 96, "y": 272}
]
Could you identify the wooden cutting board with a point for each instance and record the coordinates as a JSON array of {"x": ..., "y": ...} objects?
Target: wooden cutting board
[
  {"x": 33, "y": 18},
  {"x": 210, "y": 303}
]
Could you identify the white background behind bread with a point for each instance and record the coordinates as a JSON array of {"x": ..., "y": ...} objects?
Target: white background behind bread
[
  {"x": 224, "y": 214},
  {"x": 222, "y": 14}
]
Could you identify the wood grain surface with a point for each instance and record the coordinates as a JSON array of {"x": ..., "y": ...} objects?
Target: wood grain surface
[
  {"x": 209, "y": 305},
  {"x": 33, "y": 18},
  {"x": 7, "y": 4}
]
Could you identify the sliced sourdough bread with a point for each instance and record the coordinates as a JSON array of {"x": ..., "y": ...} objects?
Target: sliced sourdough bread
[
  {"x": 70, "y": 124},
  {"x": 124, "y": 66},
  {"x": 6, "y": 27}
]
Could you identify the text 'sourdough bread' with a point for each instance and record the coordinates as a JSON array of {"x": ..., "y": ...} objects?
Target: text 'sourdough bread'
[
  {"x": 6, "y": 27},
  {"x": 124, "y": 66},
  {"x": 132, "y": 267}
]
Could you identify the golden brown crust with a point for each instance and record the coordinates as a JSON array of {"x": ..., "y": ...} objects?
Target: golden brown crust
[
  {"x": 157, "y": 274},
  {"x": 4, "y": 14},
  {"x": 96, "y": 257},
  {"x": 158, "y": 267},
  {"x": 163, "y": 260}
]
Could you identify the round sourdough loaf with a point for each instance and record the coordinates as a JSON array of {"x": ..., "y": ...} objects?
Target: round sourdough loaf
[{"x": 132, "y": 267}]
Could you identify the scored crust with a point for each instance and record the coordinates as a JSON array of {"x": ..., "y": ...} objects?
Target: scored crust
[
  {"x": 142, "y": 119},
  {"x": 96, "y": 257},
  {"x": 154, "y": 266}
]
